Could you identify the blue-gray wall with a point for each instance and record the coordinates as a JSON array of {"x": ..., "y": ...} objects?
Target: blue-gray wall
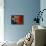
[{"x": 28, "y": 8}]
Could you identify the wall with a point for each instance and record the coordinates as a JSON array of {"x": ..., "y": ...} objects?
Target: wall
[
  {"x": 1, "y": 20},
  {"x": 16, "y": 7},
  {"x": 43, "y": 6}
]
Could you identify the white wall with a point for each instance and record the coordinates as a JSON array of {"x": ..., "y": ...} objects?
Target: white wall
[
  {"x": 1, "y": 20},
  {"x": 43, "y": 6}
]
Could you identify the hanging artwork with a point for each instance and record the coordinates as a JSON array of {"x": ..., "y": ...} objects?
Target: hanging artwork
[{"x": 17, "y": 19}]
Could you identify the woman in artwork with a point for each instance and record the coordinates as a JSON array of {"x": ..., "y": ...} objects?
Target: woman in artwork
[{"x": 14, "y": 20}]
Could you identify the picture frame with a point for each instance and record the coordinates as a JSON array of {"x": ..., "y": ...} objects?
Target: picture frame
[{"x": 17, "y": 19}]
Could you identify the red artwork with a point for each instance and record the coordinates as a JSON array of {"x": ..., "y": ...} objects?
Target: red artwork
[{"x": 17, "y": 19}]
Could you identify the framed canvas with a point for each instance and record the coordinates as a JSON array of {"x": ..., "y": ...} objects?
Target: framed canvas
[{"x": 17, "y": 19}]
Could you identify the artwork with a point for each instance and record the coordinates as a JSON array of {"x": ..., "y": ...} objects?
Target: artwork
[{"x": 17, "y": 19}]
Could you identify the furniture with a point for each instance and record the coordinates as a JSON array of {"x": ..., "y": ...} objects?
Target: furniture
[
  {"x": 20, "y": 42},
  {"x": 39, "y": 35}
]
